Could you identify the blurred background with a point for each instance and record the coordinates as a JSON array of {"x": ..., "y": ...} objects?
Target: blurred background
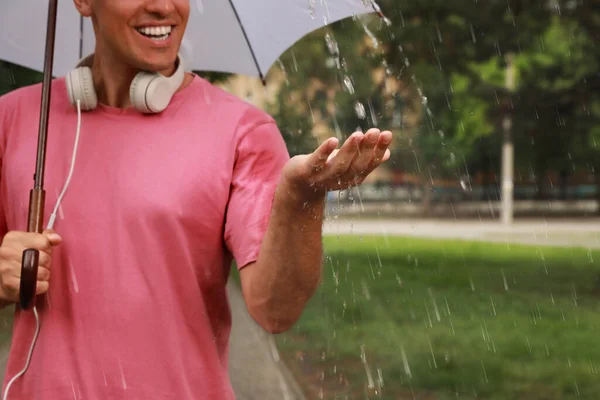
[{"x": 468, "y": 265}]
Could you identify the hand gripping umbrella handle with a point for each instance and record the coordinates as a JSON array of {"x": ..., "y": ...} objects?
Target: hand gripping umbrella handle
[{"x": 31, "y": 257}]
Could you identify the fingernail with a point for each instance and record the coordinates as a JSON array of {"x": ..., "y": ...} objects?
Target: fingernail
[
  {"x": 386, "y": 137},
  {"x": 54, "y": 237}
]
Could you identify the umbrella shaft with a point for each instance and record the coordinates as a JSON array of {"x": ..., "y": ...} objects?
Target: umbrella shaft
[{"x": 46, "y": 86}]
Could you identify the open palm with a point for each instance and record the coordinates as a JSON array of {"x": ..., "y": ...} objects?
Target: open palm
[{"x": 329, "y": 168}]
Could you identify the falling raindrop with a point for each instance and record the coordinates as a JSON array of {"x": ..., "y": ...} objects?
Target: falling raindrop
[
  {"x": 200, "y": 6},
  {"x": 363, "y": 358},
  {"x": 359, "y": 108},
  {"x": 473, "y": 38},
  {"x": 74, "y": 278},
  {"x": 371, "y": 36},
  {"x": 484, "y": 372},
  {"x": 332, "y": 45},
  {"x": 405, "y": 361},
  {"x": 504, "y": 280},
  {"x": 348, "y": 84},
  {"x": 311, "y": 8},
  {"x": 432, "y": 354}
]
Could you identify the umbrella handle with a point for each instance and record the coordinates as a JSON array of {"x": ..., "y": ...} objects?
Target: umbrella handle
[{"x": 31, "y": 257}]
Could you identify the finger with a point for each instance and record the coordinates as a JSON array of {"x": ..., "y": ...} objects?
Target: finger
[
  {"x": 54, "y": 238},
  {"x": 381, "y": 154},
  {"x": 387, "y": 155},
  {"x": 14, "y": 269},
  {"x": 365, "y": 152},
  {"x": 339, "y": 164},
  {"x": 319, "y": 157},
  {"x": 41, "y": 287},
  {"x": 45, "y": 260},
  {"x": 333, "y": 154},
  {"x": 27, "y": 240},
  {"x": 43, "y": 274},
  {"x": 382, "y": 147},
  {"x": 9, "y": 253}
]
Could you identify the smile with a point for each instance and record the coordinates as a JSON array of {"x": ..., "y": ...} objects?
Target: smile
[{"x": 156, "y": 32}]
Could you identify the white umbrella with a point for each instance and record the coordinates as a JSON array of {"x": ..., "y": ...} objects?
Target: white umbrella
[{"x": 236, "y": 36}]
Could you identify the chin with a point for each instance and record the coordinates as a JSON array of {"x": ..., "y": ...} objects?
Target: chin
[{"x": 157, "y": 65}]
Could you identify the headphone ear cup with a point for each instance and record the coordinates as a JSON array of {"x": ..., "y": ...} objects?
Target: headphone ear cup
[
  {"x": 159, "y": 94},
  {"x": 80, "y": 86},
  {"x": 138, "y": 91},
  {"x": 151, "y": 92}
]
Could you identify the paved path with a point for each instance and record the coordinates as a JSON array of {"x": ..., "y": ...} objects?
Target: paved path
[
  {"x": 256, "y": 371},
  {"x": 583, "y": 233}
]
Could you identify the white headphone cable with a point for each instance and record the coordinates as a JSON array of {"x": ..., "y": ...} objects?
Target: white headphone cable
[{"x": 51, "y": 221}]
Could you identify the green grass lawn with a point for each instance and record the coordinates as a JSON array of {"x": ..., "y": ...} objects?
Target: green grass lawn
[{"x": 403, "y": 318}]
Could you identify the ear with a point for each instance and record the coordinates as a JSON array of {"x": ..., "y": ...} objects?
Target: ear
[{"x": 84, "y": 7}]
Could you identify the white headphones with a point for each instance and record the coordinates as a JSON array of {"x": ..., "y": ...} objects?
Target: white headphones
[{"x": 150, "y": 92}]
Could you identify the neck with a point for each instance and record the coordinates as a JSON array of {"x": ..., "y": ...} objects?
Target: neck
[{"x": 112, "y": 79}]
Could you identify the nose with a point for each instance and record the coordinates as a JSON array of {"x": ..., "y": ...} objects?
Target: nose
[{"x": 160, "y": 8}]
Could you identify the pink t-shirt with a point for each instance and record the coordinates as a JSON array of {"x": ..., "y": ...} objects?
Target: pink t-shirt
[{"x": 157, "y": 209}]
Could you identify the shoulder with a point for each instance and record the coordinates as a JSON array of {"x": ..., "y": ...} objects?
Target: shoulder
[
  {"x": 243, "y": 114},
  {"x": 30, "y": 96},
  {"x": 25, "y": 101},
  {"x": 11, "y": 105},
  {"x": 255, "y": 132}
]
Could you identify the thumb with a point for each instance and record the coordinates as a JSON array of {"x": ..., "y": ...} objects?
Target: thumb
[
  {"x": 55, "y": 238},
  {"x": 321, "y": 155}
]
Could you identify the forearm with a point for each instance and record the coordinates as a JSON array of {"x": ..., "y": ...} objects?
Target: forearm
[{"x": 288, "y": 269}]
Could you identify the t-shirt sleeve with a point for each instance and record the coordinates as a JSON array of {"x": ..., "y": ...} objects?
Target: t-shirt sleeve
[
  {"x": 260, "y": 157},
  {"x": 3, "y": 225}
]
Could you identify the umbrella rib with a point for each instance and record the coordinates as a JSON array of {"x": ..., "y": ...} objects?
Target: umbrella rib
[{"x": 262, "y": 78}]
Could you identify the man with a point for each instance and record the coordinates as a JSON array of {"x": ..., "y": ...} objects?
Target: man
[{"x": 133, "y": 282}]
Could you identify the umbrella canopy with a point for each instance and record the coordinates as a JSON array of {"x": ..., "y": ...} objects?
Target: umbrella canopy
[{"x": 235, "y": 36}]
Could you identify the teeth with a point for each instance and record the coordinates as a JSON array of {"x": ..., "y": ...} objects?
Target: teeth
[{"x": 155, "y": 30}]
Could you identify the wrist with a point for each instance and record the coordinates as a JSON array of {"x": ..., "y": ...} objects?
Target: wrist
[
  {"x": 301, "y": 195},
  {"x": 4, "y": 300},
  {"x": 5, "y": 303}
]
